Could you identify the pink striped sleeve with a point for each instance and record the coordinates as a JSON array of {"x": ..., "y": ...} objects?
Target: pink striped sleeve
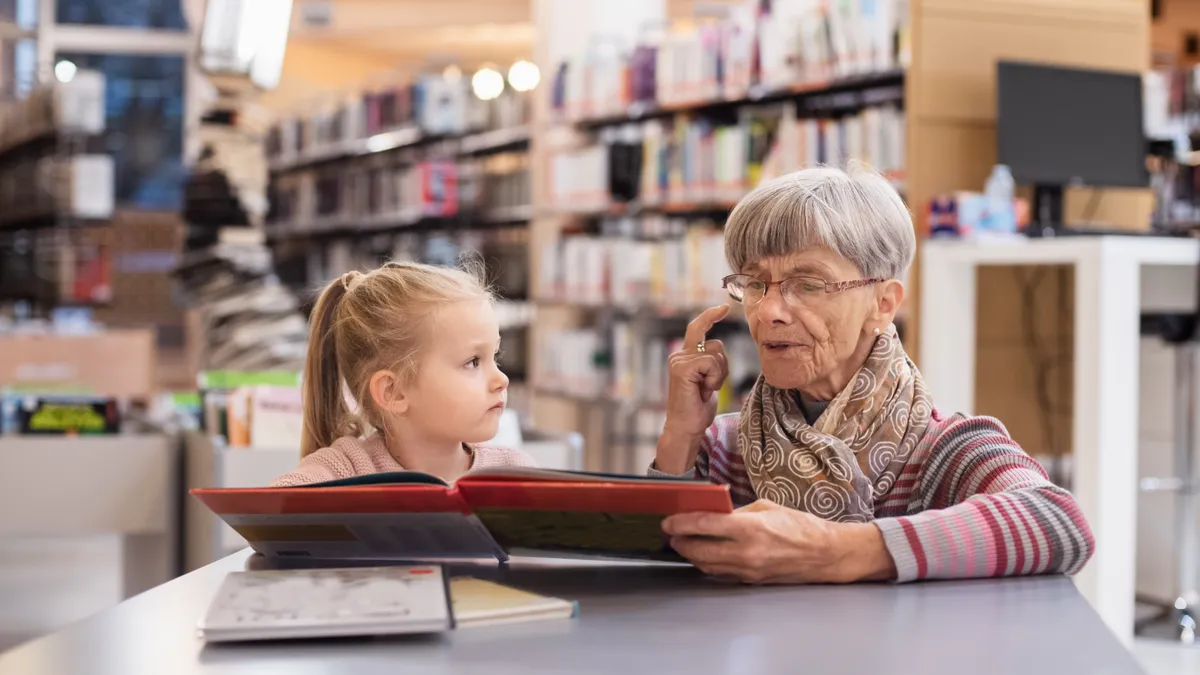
[
  {"x": 719, "y": 460},
  {"x": 981, "y": 507}
]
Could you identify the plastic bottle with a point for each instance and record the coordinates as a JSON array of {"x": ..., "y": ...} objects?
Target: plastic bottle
[{"x": 1001, "y": 218}]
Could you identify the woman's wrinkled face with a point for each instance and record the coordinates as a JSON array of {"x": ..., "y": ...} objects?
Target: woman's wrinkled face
[{"x": 805, "y": 343}]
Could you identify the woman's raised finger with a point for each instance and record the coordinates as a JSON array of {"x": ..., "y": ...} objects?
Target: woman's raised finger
[{"x": 693, "y": 338}]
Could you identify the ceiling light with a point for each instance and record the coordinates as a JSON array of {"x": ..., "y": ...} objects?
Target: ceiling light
[
  {"x": 65, "y": 71},
  {"x": 523, "y": 76},
  {"x": 487, "y": 84}
]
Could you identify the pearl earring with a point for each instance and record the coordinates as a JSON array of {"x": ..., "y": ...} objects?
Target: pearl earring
[{"x": 877, "y": 331}]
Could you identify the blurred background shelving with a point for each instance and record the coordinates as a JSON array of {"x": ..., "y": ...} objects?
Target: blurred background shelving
[{"x": 185, "y": 203}]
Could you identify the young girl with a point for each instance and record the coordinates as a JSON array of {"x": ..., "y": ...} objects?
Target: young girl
[{"x": 415, "y": 346}]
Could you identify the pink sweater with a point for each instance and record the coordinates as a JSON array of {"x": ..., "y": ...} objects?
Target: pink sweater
[{"x": 349, "y": 456}]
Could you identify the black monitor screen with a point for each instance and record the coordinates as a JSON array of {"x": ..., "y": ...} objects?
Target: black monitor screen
[{"x": 1065, "y": 126}]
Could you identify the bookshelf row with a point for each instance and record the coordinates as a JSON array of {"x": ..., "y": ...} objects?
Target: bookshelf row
[
  {"x": 633, "y": 311},
  {"x": 827, "y": 97},
  {"x": 390, "y": 193},
  {"x": 53, "y": 190},
  {"x": 505, "y": 251},
  {"x": 52, "y": 111},
  {"x": 431, "y": 109},
  {"x": 620, "y": 364},
  {"x": 423, "y": 155},
  {"x": 687, "y": 162},
  {"x": 654, "y": 261},
  {"x": 494, "y": 140},
  {"x": 48, "y": 177},
  {"x": 794, "y": 48}
]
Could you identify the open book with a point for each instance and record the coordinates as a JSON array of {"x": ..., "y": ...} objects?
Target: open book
[{"x": 488, "y": 513}]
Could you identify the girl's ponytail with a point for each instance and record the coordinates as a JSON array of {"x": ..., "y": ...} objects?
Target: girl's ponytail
[
  {"x": 324, "y": 404},
  {"x": 378, "y": 327}
]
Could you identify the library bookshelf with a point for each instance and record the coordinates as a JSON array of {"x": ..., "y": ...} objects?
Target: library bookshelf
[{"x": 945, "y": 90}]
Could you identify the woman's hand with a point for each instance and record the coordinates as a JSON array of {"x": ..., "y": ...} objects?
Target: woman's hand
[
  {"x": 695, "y": 377},
  {"x": 765, "y": 543}
]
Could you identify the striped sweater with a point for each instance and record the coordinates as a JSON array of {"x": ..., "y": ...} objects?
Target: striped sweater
[{"x": 969, "y": 503}]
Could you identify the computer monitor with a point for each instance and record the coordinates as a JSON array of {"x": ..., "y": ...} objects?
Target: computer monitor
[{"x": 1058, "y": 127}]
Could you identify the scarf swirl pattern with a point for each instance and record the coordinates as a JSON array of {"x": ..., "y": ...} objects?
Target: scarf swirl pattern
[{"x": 838, "y": 467}]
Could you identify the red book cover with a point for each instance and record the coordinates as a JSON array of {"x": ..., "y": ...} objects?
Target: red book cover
[
  {"x": 487, "y": 514},
  {"x": 358, "y": 499}
]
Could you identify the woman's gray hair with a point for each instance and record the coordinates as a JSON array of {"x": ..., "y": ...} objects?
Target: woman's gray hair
[{"x": 856, "y": 214}]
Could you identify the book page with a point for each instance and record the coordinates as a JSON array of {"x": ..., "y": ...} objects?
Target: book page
[
  {"x": 618, "y": 535},
  {"x": 615, "y": 520}
]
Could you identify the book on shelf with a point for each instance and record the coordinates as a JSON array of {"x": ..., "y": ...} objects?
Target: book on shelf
[
  {"x": 51, "y": 186},
  {"x": 56, "y": 108},
  {"x": 488, "y": 513},
  {"x": 751, "y": 52},
  {"x": 374, "y": 195},
  {"x": 430, "y": 108},
  {"x": 251, "y": 408},
  {"x": 46, "y": 173},
  {"x": 638, "y": 361},
  {"x": 688, "y": 161},
  {"x": 266, "y": 417},
  {"x": 678, "y": 269},
  {"x": 59, "y": 415},
  {"x": 572, "y": 359},
  {"x": 504, "y": 247}
]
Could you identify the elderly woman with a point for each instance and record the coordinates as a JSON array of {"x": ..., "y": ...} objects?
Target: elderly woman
[{"x": 842, "y": 465}]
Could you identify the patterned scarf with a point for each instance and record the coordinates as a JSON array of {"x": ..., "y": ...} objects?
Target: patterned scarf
[{"x": 837, "y": 467}]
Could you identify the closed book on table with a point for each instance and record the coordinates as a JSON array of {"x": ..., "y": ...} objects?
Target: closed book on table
[
  {"x": 320, "y": 603},
  {"x": 477, "y": 603}
]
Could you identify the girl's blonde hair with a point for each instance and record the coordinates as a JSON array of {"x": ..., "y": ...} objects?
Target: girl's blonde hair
[{"x": 364, "y": 323}]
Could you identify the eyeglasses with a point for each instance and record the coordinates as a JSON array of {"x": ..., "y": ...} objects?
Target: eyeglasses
[{"x": 750, "y": 290}]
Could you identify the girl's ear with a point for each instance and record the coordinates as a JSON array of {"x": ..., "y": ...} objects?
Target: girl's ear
[{"x": 387, "y": 392}]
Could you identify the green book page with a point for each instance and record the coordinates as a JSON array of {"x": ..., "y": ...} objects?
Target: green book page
[{"x": 636, "y": 536}]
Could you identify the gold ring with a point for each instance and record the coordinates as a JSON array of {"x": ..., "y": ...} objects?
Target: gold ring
[{"x": 700, "y": 346}]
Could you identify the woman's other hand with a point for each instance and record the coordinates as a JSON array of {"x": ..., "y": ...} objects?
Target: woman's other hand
[
  {"x": 695, "y": 377},
  {"x": 765, "y": 543}
]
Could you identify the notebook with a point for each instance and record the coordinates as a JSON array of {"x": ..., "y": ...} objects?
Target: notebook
[
  {"x": 477, "y": 602},
  {"x": 321, "y": 603}
]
